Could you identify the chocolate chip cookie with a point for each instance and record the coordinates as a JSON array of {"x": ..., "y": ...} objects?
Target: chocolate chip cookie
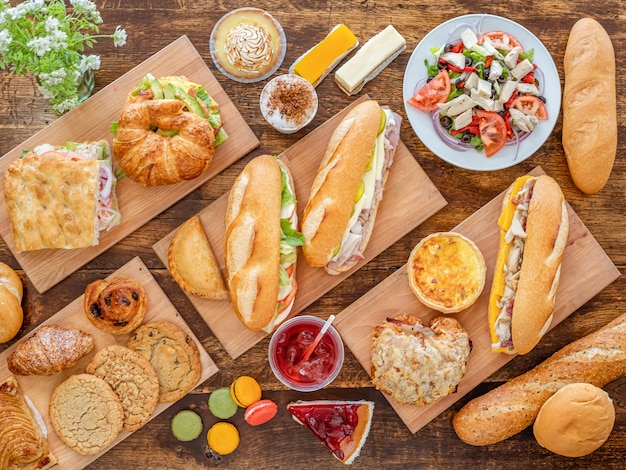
[{"x": 173, "y": 354}]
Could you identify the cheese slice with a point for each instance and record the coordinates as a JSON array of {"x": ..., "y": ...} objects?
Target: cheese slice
[
  {"x": 370, "y": 60},
  {"x": 318, "y": 61}
]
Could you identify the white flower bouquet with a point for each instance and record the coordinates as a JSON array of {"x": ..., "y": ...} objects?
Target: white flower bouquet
[{"x": 47, "y": 39}]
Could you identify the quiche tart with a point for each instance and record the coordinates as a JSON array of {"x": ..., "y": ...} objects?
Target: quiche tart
[{"x": 446, "y": 272}]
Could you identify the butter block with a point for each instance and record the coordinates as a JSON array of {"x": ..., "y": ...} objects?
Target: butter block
[
  {"x": 315, "y": 64},
  {"x": 370, "y": 60}
]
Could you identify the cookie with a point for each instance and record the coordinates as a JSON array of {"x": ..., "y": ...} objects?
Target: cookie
[
  {"x": 132, "y": 378},
  {"x": 173, "y": 354},
  {"x": 86, "y": 413},
  {"x": 245, "y": 390},
  {"x": 117, "y": 306},
  {"x": 223, "y": 438},
  {"x": 221, "y": 404},
  {"x": 260, "y": 412},
  {"x": 186, "y": 425}
]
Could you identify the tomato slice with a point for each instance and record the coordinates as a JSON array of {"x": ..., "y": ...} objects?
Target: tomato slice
[
  {"x": 531, "y": 105},
  {"x": 492, "y": 131},
  {"x": 500, "y": 40},
  {"x": 435, "y": 91}
]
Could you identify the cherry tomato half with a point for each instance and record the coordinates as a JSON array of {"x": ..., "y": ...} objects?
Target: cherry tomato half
[
  {"x": 492, "y": 131},
  {"x": 500, "y": 40},
  {"x": 435, "y": 91},
  {"x": 531, "y": 105}
]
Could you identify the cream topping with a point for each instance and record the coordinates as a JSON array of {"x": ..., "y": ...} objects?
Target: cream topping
[{"x": 249, "y": 47}]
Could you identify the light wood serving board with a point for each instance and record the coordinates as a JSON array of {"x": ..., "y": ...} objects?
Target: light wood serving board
[
  {"x": 586, "y": 270},
  {"x": 409, "y": 198},
  {"x": 39, "y": 389},
  {"x": 138, "y": 204}
]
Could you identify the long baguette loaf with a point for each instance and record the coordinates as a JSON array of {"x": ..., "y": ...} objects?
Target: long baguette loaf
[
  {"x": 598, "y": 358},
  {"x": 589, "y": 105}
]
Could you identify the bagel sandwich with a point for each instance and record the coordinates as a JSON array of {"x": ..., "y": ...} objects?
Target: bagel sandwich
[
  {"x": 339, "y": 216},
  {"x": 167, "y": 131},
  {"x": 534, "y": 227},
  {"x": 61, "y": 197},
  {"x": 261, "y": 241}
]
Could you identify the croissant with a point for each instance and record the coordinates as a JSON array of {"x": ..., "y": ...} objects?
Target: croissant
[
  {"x": 152, "y": 158},
  {"x": 22, "y": 444},
  {"x": 49, "y": 350}
]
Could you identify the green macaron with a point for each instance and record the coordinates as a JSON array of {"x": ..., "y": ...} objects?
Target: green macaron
[
  {"x": 221, "y": 404},
  {"x": 186, "y": 425}
]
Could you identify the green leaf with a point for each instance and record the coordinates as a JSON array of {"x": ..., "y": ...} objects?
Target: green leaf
[{"x": 289, "y": 235}]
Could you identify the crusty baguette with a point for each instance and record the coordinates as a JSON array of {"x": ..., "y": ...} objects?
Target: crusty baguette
[
  {"x": 337, "y": 181},
  {"x": 598, "y": 358},
  {"x": 589, "y": 105},
  {"x": 547, "y": 229},
  {"x": 252, "y": 241}
]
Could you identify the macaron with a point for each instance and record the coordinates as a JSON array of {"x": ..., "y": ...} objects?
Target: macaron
[
  {"x": 186, "y": 425},
  {"x": 223, "y": 438},
  {"x": 221, "y": 403},
  {"x": 260, "y": 412},
  {"x": 245, "y": 391}
]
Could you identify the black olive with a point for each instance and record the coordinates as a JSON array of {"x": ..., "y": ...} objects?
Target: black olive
[
  {"x": 468, "y": 61},
  {"x": 486, "y": 73},
  {"x": 493, "y": 93},
  {"x": 441, "y": 65},
  {"x": 501, "y": 79},
  {"x": 448, "y": 47},
  {"x": 446, "y": 122},
  {"x": 542, "y": 98},
  {"x": 466, "y": 138}
]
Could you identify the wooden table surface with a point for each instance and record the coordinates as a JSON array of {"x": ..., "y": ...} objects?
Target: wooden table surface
[{"x": 281, "y": 443}]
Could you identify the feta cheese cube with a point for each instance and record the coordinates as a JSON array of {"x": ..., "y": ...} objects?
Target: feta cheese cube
[
  {"x": 507, "y": 91},
  {"x": 462, "y": 120},
  {"x": 511, "y": 58},
  {"x": 484, "y": 88},
  {"x": 454, "y": 58},
  {"x": 491, "y": 49},
  {"x": 528, "y": 88},
  {"x": 456, "y": 106},
  {"x": 486, "y": 103},
  {"x": 472, "y": 81},
  {"x": 469, "y": 38},
  {"x": 495, "y": 71},
  {"x": 521, "y": 69},
  {"x": 525, "y": 122}
]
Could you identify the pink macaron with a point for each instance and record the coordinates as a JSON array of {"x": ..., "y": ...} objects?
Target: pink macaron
[{"x": 260, "y": 412}]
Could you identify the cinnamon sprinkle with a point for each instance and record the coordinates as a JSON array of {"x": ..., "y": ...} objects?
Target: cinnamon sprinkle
[{"x": 292, "y": 100}]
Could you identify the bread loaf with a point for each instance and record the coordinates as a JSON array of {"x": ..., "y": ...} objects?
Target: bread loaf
[
  {"x": 11, "y": 314},
  {"x": 597, "y": 358},
  {"x": 589, "y": 105}
]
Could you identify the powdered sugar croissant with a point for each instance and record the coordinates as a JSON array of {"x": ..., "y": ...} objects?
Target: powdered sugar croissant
[{"x": 50, "y": 350}]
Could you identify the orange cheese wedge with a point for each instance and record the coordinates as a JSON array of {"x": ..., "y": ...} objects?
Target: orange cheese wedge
[{"x": 318, "y": 61}]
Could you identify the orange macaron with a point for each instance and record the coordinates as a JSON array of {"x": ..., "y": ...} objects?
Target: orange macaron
[{"x": 245, "y": 391}]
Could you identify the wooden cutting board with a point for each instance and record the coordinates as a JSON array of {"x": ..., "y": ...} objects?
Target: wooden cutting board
[
  {"x": 138, "y": 204},
  {"x": 409, "y": 198},
  {"x": 586, "y": 270},
  {"x": 39, "y": 389}
]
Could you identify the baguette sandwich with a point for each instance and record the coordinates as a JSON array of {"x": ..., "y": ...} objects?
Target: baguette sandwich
[
  {"x": 533, "y": 232},
  {"x": 598, "y": 358},
  {"x": 340, "y": 214},
  {"x": 61, "y": 197},
  {"x": 260, "y": 243}
]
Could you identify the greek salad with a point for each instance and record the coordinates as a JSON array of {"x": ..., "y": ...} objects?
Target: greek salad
[{"x": 483, "y": 91}]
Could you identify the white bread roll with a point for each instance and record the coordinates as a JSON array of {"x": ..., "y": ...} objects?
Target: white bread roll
[
  {"x": 589, "y": 105},
  {"x": 11, "y": 314},
  {"x": 575, "y": 421}
]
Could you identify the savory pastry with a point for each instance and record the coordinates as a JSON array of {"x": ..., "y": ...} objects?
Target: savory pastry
[
  {"x": 339, "y": 217},
  {"x": 378, "y": 52},
  {"x": 61, "y": 197},
  {"x": 192, "y": 262},
  {"x": 11, "y": 313},
  {"x": 132, "y": 378},
  {"x": 174, "y": 355},
  {"x": 117, "y": 306},
  {"x": 85, "y": 413},
  {"x": 589, "y": 105},
  {"x": 50, "y": 350},
  {"x": 343, "y": 426},
  {"x": 575, "y": 421},
  {"x": 22, "y": 443},
  {"x": 167, "y": 131},
  {"x": 260, "y": 245},
  {"x": 533, "y": 233},
  {"x": 417, "y": 364},
  {"x": 316, "y": 63},
  {"x": 598, "y": 358},
  {"x": 446, "y": 272}
]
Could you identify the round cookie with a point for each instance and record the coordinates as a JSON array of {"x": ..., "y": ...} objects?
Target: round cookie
[
  {"x": 223, "y": 437},
  {"x": 221, "y": 404},
  {"x": 173, "y": 354},
  {"x": 132, "y": 378},
  {"x": 245, "y": 390},
  {"x": 117, "y": 306},
  {"x": 186, "y": 425},
  {"x": 86, "y": 413}
]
